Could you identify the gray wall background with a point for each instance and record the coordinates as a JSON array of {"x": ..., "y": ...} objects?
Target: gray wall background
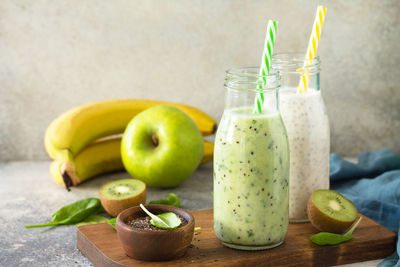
[{"x": 55, "y": 55}]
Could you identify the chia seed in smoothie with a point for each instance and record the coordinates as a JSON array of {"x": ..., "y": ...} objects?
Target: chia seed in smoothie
[
  {"x": 251, "y": 176},
  {"x": 307, "y": 126}
]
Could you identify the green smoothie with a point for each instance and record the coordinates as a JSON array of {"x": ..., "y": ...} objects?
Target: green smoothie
[{"x": 251, "y": 176}]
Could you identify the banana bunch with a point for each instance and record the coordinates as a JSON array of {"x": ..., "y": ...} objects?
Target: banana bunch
[{"x": 85, "y": 141}]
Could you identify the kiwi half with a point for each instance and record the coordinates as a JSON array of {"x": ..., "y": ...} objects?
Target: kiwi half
[
  {"x": 329, "y": 211},
  {"x": 119, "y": 195}
]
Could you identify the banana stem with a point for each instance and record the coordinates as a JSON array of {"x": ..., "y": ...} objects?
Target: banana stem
[
  {"x": 67, "y": 181},
  {"x": 68, "y": 173}
]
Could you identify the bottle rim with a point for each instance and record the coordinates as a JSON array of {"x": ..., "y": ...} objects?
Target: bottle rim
[
  {"x": 295, "y": 63},
  {"x": 248, "y": 79}
]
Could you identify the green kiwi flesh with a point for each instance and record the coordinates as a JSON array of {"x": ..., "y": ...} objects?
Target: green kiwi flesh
[
  {"x": 119, "y": 195},
  {"x": 334, "y": 205},
  {"x": 121, "y": 189},
  {"x": 329, "y": 211}
]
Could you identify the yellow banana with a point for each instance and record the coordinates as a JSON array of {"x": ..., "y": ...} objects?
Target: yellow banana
[
  {"x": 101, "y": 156},
  {"x": 208, "y": 152},
  {"x": 73, "y": 130}
]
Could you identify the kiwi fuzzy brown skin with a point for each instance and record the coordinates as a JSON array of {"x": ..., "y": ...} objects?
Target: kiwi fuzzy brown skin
[
  {"x": 325, "y": 223},
  {"x": 115, "y": 206}
]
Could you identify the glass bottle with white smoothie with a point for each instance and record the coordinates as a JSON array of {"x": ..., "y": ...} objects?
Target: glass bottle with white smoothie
[
  {"x": 306, "y": 121},
  {"x": 251, "y": 165}
]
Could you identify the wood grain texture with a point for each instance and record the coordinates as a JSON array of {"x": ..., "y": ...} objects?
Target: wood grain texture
[{"x": 99, "y": 242}]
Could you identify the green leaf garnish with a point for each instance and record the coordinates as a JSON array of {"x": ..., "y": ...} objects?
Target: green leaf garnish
[
  {"x": 170, "y": 218},
  {"x": 166, "y": 221},
  {"x": 73, "y": 213},
  {"x": 113, "y": 222},
  {"x": 353, "y": 227},
  {"x": 325, "y": 238},
  {"x": 92, "y": 219},
  {"x": 171, "y": 200}
]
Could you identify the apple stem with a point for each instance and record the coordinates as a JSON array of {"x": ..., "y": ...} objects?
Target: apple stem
[{"x": 154, "y": 139}]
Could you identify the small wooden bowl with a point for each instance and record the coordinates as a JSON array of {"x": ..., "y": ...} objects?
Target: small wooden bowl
[{"x": 150, "y": 245}]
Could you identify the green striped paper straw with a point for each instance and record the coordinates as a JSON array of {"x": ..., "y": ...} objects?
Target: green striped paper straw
[{"x": 265, "y": 63}]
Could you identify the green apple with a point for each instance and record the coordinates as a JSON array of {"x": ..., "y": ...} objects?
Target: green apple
[{"x": 162, "y": 146}]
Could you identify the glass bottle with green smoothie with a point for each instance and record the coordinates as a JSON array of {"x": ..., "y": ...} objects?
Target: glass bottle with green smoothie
[{"x": 251, "y": 165}]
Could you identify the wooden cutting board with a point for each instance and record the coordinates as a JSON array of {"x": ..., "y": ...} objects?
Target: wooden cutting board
[{"x": 99, "y": 242}]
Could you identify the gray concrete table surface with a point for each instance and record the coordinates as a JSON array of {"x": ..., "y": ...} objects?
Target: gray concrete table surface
[{"x": 29, "y": 196}]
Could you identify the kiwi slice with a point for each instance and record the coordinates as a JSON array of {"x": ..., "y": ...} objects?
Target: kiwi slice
[
  {"x": 119, "y": 195},
  {"x": 329, "y": 211}
]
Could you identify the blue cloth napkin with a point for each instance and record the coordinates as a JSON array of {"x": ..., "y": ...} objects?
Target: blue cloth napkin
[{"x": 373, "y": 184}]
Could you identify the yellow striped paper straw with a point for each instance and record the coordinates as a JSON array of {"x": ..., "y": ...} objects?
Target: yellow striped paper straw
[
  {"x": 265, "y": 63},
  {"x": 312, "y": 47}
]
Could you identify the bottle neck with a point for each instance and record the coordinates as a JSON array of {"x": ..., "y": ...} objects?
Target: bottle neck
[
  {"x": 292, "y": 66},
  {"x": 248, "y": 91},
  {"x": 250, "y": 101}
]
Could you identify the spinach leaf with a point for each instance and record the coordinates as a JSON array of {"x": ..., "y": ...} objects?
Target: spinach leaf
[
  {"x": 92, "y": 219},
  {"x": 113, "y": 222},
  {"x": 170, "y": 218},
  {"x": 73, "y": 213},
  {"x": 353, "y": 227},
  {"x": 171, "y": 200},
  {"x": 325, "y": 238},
  {"x": 167, "y": 220}
]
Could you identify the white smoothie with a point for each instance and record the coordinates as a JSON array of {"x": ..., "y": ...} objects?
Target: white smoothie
[{"x": 307, "y": 127}]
